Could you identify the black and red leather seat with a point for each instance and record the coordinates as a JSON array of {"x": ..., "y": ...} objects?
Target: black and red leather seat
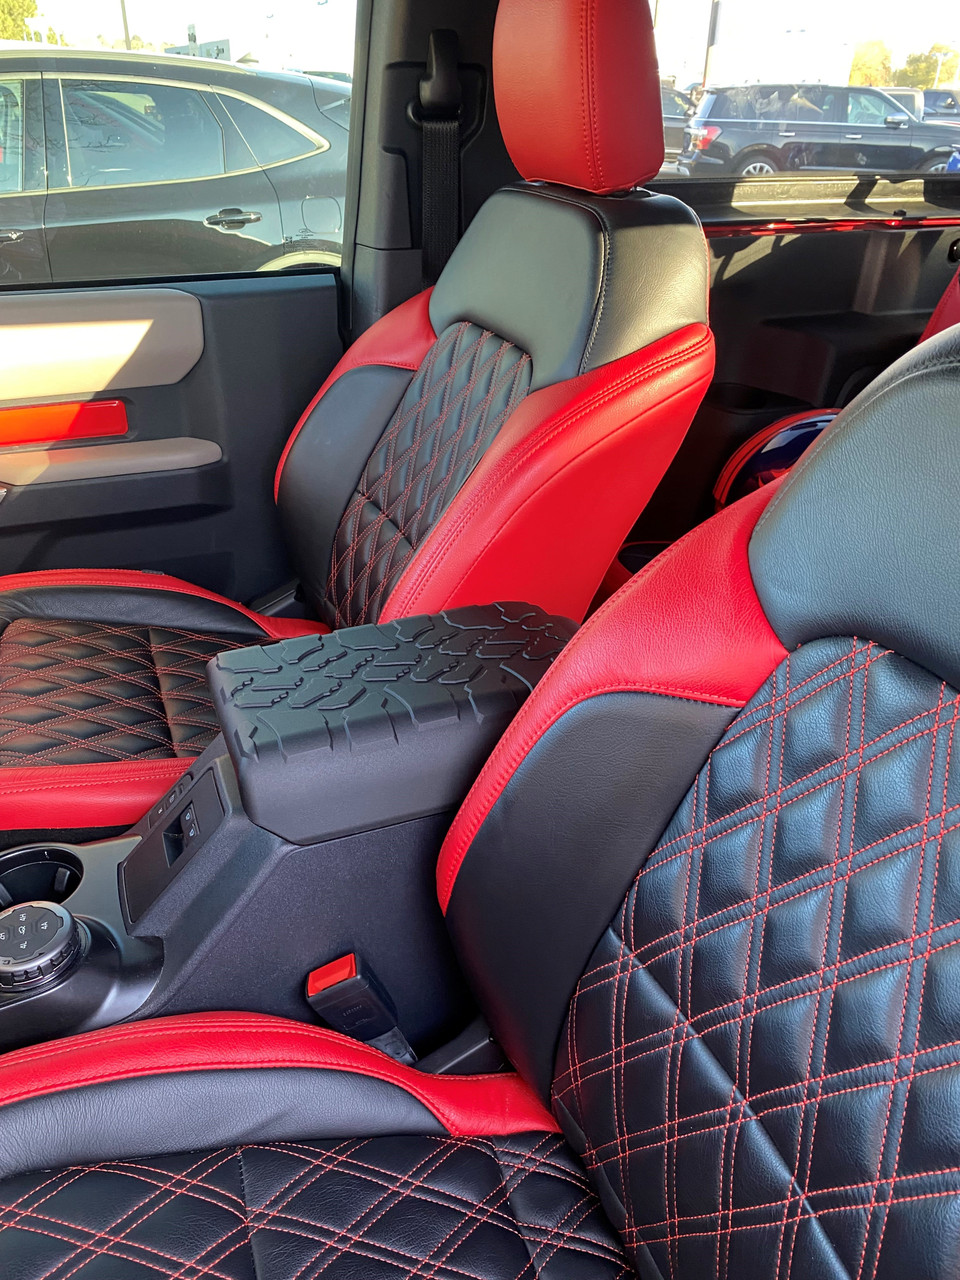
[
  {"x": 775, "y": 448},
  {"x": 707, "y": 890},
  {"x": 493, "y": 438}
]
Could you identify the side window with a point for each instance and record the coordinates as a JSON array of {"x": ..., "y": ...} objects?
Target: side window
[
  {"x": 270, "y": 139},
  {"x": 867, "y": 108},
  {"x": 672, "y": 103},
  {"x": 813, "y": 103},
  {"x": 11, "y": 136},
  {"x": 123, "y": 133}
]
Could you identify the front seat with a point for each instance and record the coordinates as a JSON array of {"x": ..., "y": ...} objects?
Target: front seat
[
  {"x": 493, "y": 438},
  {"x": 707, "y": 891}
]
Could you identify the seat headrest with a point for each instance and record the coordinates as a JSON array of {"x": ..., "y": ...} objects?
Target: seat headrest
[
  {"x": 863, "y": 537},
  {"x": 578, "y": 92}
]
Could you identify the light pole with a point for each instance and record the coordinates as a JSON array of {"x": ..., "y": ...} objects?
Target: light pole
[
  {"x": 939, "y": 57},
  {"x": 126, "y": 28}
]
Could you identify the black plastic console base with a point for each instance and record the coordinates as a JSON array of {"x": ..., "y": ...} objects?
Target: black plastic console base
[{"x": 336, "y": 734}]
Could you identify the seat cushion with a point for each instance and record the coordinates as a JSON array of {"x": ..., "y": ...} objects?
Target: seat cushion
[
  {"x": 317, "y": 1155},
  {"x": 103, "y": 693},
  {"x": 381, "y": 1208}
]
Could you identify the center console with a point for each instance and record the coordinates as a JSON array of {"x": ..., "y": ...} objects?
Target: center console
[{"x": 307, "y": 831}]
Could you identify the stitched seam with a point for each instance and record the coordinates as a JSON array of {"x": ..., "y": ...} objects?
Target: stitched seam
[{"x": 527, "y": 450}]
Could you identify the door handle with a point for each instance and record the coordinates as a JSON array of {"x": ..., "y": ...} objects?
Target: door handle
[
  {"x": 788, "y": 135},
  {"x": 853, "y": 136},
  {"x": 10, "y": 237},
  {"x": 232, "y": 218}
]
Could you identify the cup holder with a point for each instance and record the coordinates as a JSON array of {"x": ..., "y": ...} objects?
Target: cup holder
[{"x": 39, "y": 874}]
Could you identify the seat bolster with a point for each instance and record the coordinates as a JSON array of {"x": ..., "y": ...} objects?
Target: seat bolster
[
  {"x": 947, "y": 312},
  {"x": 550, "y": 463},
  {"x": 209, "y": 1080},
  {"x": 145, "y": 599}
]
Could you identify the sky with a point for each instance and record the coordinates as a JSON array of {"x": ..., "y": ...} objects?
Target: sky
[
  {"x": 279, "y": 32},
  {"x": 758, "y": 39}
]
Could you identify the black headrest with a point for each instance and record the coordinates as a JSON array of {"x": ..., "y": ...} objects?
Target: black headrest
[{"x": 863, "y": 538}]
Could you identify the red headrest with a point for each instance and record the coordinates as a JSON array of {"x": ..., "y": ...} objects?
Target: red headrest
[{"x": 578, "y": 91}]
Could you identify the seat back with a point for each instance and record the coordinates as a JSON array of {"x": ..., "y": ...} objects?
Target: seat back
[
  {"x": 707, "y": 887},
  {"x": 497, "y": 436}
]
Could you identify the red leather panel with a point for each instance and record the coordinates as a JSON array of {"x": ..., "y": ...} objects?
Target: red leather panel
[
  {"x": 83, "y": 796},
  {"x": 400, "y": 339},
  {"x": 598, "y": 444},
  {"x": 947, "y": 313},
  {"x": 466, "y": 1105},
  {"x": 815, "y": 226},
  {"x": 275, "y": 628},
  {"x": 689, "y": 625},
  {"x": 578, "y": 91},
  {"x": 46, "y": 423}
]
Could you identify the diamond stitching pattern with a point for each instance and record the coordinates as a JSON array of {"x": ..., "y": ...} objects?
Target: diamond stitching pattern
[
  {"x": 468, "y": 385},
  {"x": 764, "y": 1053},
  {"x": 382, "y": 1208},
  {"x": 93, "y": 693}
]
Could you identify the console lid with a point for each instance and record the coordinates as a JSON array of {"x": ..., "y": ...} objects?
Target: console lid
[{"x": 375, "y": 725}]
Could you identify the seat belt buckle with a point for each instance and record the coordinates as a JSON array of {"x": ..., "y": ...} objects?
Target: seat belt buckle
[{"x": 347, "y": 995}]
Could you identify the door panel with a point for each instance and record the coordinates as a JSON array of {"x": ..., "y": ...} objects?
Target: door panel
[
  {"x": 144, "y": 178},
  {"x": 96, "y": 340},
  {"x": 268, "y": 344}
]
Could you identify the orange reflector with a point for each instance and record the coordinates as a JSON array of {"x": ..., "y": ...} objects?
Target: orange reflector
[{"x": 48, "y": 423}]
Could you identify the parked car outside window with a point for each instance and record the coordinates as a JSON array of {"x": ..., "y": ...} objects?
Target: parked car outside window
[
  {"x": 762, "y": 130},
  {"x": 132, "y": 165}
]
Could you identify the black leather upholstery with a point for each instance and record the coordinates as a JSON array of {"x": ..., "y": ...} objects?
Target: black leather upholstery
[
  {"x": 228, "y": 1107},
  {"x": 578, "y": 281},
  {"x": 325, "y": 466},
  {"x": 102, "y": 692},
  {"x": 468, "y": 385},
  {"x": 825, "y": 564},
  {"x": 551, "y": 863},
  {"x": 378, "y": 1208},
  {"x": 761, "y": 1060}
]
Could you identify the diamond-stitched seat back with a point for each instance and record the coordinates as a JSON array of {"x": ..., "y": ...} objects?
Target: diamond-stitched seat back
[
  {"x": 764, "y": 1052},
  {"x": 102, "y": 693},
  {"x": 468, "y": 385}
]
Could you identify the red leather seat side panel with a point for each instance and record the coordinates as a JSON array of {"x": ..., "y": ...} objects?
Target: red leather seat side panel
[
  {"x": 77, "y": 796},
  {"x": 465, "y": 1105},
  {"x": 580, "y": 459},
  {"x": 400, "y": 340},
  {"x": 578, "y": 92},
  {"x": 947, "y": 313},
  {"x": 697, "y": 631}
]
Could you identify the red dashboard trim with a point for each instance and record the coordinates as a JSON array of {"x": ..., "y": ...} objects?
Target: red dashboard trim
[{"x": 807, "y": 226}]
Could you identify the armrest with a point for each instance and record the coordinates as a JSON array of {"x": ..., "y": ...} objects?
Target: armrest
[{"x": 374, "y": 725}]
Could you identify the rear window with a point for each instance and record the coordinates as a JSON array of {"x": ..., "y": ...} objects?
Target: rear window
[{"x": 270, "y": 139}]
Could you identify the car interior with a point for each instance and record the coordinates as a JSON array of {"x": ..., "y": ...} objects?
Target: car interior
[{"x": 477, "y": 779}]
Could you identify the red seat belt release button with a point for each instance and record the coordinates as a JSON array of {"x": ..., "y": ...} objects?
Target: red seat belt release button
[{"x": 348, "y": 997}]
